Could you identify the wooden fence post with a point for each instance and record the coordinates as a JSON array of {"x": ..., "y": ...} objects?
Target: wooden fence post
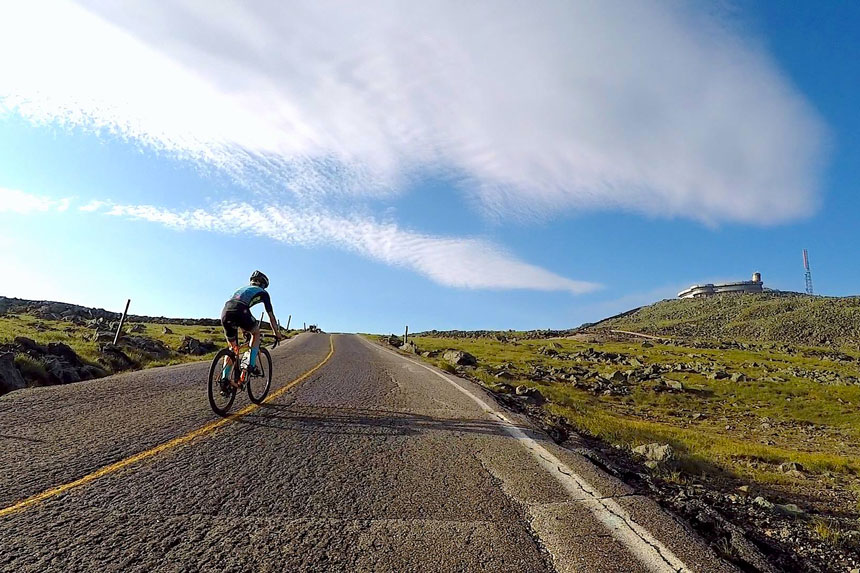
[{"x": 121, "y": 322}]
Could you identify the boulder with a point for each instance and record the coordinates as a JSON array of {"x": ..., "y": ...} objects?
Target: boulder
[
  {"x": 533, "y": 395},
  {"x": 65, "y": 352},
  {"x": 791, "y": 468},
  {"x": 409, "y": 347},
  {"x": 10, "y": 378},
  {"x": 618, "y": 376},
  {"x": 459, "y": 358},
  {"x": 60, "y": 371},
  {"x": 165, "y": 330},
  {"x": 137, "y": 328},
  {"x": 656, "y": 455},
  {"x": 789, "y": 509},
  {"x": 103, "y": 336},
  {"x": 115, "y": 359},
  {"x": 192, "y": 346},
  {"x": 673, "y": 384},
  {"x": 145, "y": 345},
  {"x": 763, "y": 503},
  {"x": 29, "y": 345}
]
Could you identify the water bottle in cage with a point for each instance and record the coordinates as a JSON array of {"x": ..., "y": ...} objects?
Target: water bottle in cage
[{"x": 246, "y": 359}]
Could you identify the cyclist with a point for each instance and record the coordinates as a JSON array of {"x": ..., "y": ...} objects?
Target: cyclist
[{"x": 237, "y": 314}]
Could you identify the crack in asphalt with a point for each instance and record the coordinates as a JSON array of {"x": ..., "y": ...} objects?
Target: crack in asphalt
[
  {"x": 623, "y": 517},
  {"x": 526, "y": 517}
]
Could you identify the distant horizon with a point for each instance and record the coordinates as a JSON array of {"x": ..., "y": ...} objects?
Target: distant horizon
[{"x": 412, "y": 331}]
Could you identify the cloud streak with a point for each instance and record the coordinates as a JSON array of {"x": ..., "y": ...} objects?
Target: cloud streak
[
  {"x": 449, "y": 261},
  {"x": 645, "y": 106},
  {"x": 18, "y": 202},
  {"x": 461, "y": 262}
]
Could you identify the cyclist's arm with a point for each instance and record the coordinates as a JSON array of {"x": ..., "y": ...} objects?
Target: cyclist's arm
[{"x": 273, "y": 322}]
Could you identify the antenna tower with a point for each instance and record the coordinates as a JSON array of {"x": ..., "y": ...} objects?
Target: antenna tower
[{"x": 808, "y": 274}]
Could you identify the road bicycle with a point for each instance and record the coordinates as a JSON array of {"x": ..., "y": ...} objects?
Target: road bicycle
[{"x": 222, "y": 390}]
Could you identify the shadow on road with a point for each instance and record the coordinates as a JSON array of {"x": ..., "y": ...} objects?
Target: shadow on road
[{"x": 372, "y": 421}]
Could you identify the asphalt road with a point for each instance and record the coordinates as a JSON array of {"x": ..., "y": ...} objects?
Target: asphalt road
[{"x": 371, "y": 463}]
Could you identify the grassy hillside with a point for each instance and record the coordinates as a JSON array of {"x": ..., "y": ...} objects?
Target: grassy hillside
[{"x": 788, "y": 318}]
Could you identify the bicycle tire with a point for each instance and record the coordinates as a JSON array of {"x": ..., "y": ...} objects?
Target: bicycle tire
[
  {"x": 264, "y": 362},
  {"x": 215, "y": 379}
]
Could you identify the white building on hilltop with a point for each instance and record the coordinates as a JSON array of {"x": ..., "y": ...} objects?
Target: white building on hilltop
[{"x": 696, "y": 291}]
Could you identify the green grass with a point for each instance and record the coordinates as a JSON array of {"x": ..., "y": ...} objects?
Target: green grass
[
  {"x": 811, "y": 423},
  {"x": 768, "y": 317},
  {"x": 31, "y": 368},
  {"x": 79, "y": 338}
]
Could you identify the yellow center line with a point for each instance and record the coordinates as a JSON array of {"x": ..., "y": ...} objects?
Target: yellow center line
[{"x": 175, "y": 442}]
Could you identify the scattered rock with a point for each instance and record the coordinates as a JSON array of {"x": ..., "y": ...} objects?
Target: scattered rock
[
  {"x": 409, "y": 347},
  {"x": 191, "y": 345},
  {"x": 10, "y": 378},
  {"x": 115, "y": 359},
  {"x": 762, "y": 502},
  {"x": 459, "y": 358},
  {"x": 29, "y": 345},
  {"x": 533, "y": 395},
  {"x": 618, "y": 376},
  {"x": 166, "y": 330},
  {"x": 145, "y": 345},
  {"x": 102, "y": 336},
  {"x": 394, "y": 340},
  {"x": 789, "y": 509},
  {"x": 61, "y": 370},
  {"x": 792, "y": 469},
  {"x": 137, "y": 328},
  {"x": 656, "y": 455},
  {"x": 673, "y": 384}
]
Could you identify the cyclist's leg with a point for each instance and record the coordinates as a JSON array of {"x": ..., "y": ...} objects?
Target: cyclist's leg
[
  {"x": 231, "y": 333},
  {"x": 251, "y": 325},
  {"x": 255, "y": 344}
]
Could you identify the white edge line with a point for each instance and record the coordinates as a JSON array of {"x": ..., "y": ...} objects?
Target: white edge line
[{"x": 644, "y": 546}]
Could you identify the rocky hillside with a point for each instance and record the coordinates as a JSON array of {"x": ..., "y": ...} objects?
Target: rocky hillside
[
  {"x": 50, "y": 310},
  {"x": 782, "y": 318},
  {"x": 45, "y": 343}
]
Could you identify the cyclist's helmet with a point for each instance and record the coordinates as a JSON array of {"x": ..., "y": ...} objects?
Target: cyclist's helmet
[{"x": 259, "y": 279}]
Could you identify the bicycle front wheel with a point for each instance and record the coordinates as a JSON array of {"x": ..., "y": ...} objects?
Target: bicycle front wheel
[
  {"x": 221, "y": 392},
  {"x": 258, "y": 386}
]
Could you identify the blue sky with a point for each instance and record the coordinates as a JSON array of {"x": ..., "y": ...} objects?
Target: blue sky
[{"x": 392, "y": 164}]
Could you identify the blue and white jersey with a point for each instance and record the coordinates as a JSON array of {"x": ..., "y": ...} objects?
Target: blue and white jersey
[{"x": 251, "y": 295}]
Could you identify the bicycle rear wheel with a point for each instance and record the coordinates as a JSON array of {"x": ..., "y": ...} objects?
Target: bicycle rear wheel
[
  {"x": 221, "y": 392},
  {"x": 258, "y": 386}
]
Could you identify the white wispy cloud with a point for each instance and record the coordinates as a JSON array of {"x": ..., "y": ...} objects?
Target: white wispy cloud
[
  {"x": 15, "y": 201},
  {"x": 449, "y": 261},
  {"x": 646, "y": 106},
  {"x": 462, "y": 262}
]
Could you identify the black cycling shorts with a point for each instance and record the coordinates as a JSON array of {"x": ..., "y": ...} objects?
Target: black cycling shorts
[{"x": 236, "y": 316}]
